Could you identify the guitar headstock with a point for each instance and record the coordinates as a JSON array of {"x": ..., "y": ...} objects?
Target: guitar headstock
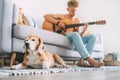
[{"x": 101, "y": 22}]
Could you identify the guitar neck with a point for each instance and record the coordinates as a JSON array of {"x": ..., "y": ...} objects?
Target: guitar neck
[{"x": 78, "y": 25}]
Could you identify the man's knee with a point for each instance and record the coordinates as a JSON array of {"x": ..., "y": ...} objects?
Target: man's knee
[
  {"x": 75, "y": 34},
  {"x": 93, "y": 37}
]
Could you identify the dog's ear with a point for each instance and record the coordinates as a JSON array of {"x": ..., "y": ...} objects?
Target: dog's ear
[{"x": 41, "y": 48}]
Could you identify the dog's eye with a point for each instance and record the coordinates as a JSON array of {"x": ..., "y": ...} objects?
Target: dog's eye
[
  {"x": 26, "y": 40},
  {"x": 33, "y": 39}
]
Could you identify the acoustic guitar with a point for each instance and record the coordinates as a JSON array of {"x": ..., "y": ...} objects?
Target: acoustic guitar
[{"x": 68, "y": 26}]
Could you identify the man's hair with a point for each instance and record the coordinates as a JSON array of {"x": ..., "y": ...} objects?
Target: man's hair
[{"x": 73, "y": 3}]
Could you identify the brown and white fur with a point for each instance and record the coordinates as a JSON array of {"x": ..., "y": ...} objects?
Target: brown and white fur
[{"x": 36, "y": 56}]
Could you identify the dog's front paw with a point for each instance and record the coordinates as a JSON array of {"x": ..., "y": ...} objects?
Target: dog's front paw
[
  {"x": 58, "y": 65},
  {"x": 16, "y": 67},
  {"x": 13, "y": 67}
]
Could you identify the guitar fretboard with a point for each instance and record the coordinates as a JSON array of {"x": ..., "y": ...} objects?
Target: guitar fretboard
[{"x": 77, "y": 25}]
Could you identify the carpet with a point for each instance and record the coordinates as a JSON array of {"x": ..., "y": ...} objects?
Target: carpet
[{"x": 5, "y": 71}]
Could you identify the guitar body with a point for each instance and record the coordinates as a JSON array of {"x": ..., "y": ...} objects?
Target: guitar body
[{"x": 49, "y": 26}]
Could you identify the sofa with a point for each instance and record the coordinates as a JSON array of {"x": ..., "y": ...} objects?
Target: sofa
[{"x": 12, "y": 36}]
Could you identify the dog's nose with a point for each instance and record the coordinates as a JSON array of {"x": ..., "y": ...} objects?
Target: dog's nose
[{"x": 27, "y": 45}]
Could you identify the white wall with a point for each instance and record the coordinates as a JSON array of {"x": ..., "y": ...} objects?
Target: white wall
[
  {"x": 38, "y": 8},
  {"x": 90, "y": 10}
]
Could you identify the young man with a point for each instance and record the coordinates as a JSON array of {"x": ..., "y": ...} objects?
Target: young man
[{"x": 75, "y": 36}]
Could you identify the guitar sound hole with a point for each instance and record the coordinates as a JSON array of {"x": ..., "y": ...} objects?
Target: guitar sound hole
[{"x": 59, "y": 31}]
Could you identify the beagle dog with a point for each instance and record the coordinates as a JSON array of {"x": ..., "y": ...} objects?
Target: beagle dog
[{"x": 36, "y": 56}]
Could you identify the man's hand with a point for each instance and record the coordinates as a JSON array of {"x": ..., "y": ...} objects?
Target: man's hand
[
  {"x": 85, "y": 26},
  {"x": 61, "y": 25},
  {"x": 84, "y": 29}
]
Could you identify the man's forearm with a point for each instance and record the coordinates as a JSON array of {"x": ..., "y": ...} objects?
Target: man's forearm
[{"x": 51, "y": 19}]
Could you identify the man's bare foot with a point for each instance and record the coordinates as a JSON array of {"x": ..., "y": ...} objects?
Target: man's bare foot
[
  {"x": 94, "y": 63},
  {"x": 83, "y": 63}
]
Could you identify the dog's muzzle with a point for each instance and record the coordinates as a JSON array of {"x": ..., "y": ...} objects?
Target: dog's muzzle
[{"x": 27, "y": 45}]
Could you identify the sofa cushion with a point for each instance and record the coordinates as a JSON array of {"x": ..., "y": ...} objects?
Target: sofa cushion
[
  {"x": 21, "y": 31},
  {"x": 50, "y": 48},
  {"x": 99, "y": 43},
  {"x": 98, "y": 47}
]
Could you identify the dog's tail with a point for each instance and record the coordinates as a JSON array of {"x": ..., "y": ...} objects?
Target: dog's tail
[{"x": 59, "y": 60}]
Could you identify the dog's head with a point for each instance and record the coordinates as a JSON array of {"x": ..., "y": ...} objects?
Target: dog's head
[{"x": 33, "y": 43}]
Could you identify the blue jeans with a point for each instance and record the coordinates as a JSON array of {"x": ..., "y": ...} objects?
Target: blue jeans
[
  {"x": 89, "y": 42},
  {"x": 79, "y": 43}
]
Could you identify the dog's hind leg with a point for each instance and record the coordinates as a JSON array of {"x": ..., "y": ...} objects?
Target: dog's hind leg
[{"x": 59, "y": 60}]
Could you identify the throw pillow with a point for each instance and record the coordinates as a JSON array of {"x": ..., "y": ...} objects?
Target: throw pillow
[
  {"x": 24, "y": 19},
  {"x": 20, "y": 17}
]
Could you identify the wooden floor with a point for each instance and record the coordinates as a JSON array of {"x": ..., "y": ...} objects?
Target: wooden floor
[{"x": 106, "y": 75}]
